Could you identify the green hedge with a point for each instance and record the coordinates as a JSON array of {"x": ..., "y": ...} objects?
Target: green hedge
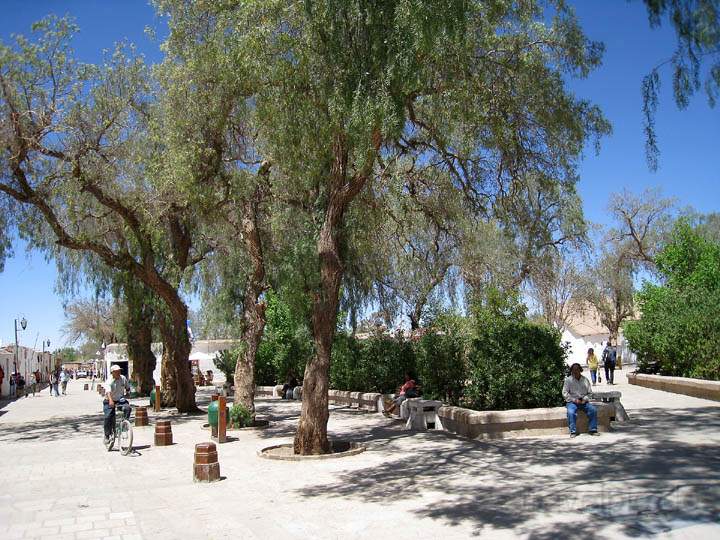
[
  {"x": 502, "y": 362},
  {"x": 515, "y": 364}
]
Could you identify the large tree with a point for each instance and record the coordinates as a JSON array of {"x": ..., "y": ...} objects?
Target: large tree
[
  {"x": 83, "y": 155},
  {"x": 337, "y": 87}
]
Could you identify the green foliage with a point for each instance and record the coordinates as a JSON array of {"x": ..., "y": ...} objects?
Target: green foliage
[
  {"x": 66, "y": 354},
  {"x": 695, "y": 62},
  {"x": 514, "y": 364},
  {"x": 441, "y": 359},
  {"x": 679, "y": 332},
  {"x": 377, "y": 364},
  {"x": 286, "y": 345},
  {"x": 226, "y": 361},
  {"x": 240, "y": 415}
]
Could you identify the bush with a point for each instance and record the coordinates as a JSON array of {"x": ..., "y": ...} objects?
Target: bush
[
  {"x": 441, "y": 366},
  {"x": 286, "y": 345},
  {"x": 377, "y": 364},
  {"x": 240, "y": 416},
  {"x": 514, "y": 364},
  {"x": 226, "y": 361},
  {"x": 679, "y": 332}
]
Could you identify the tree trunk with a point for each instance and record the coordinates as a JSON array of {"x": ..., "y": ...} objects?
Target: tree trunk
[
  {"x": 311, "y": 436},
  {"x": 178, "y": 387},
  {"x": 253, "y": 311},
  {"x": 139, "y": 335},
  {"x": 140, "y": 352}
]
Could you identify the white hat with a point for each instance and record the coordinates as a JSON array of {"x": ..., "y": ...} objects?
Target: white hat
[{"x": 115, "y": 367}]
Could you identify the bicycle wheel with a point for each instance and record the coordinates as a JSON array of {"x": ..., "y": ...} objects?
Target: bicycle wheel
[{"x": 125, "y": 437}]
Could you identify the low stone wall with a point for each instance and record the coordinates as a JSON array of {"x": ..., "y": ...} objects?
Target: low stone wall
[
  {"x": 364, "y": 401},
  {"x": 698, "y": 388},
  {"x": 266, "y": 391},
  {"x": 518, "y": 422}
]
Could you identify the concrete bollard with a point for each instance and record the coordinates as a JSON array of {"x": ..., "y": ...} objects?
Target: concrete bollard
[
  {"x": 141, "y": 417},
  {"x": 86, "y": 386},
  {"x": 163, "y": 433},
  {"x": 206, "y": 467}
]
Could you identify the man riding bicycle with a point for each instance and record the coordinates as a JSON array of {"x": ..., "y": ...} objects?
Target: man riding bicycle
[{"x": 115, "y": 390}]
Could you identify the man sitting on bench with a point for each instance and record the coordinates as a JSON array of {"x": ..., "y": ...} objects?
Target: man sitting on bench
[{"x": 576, "y": 391}]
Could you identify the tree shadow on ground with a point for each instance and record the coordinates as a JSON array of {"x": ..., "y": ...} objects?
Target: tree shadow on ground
[{"x": 643, "y": 482}]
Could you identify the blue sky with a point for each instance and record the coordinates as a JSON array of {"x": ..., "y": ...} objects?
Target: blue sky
[{"x": 689, "y": 161}]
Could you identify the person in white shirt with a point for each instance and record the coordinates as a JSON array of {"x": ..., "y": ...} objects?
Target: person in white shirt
[
  {"x": 576, "y": 391},
  {"x": 115, "y": 389}
]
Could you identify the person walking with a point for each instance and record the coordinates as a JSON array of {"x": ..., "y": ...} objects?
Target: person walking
[
  {"x": 12, "y": 384},
  {"x": 609, "y": 355},
  {"x": 32, "y": 384},
  {"x": 54, "y": 384},
  {"x": 592, "y": 362},
  {"x": 63, "y": 380}
]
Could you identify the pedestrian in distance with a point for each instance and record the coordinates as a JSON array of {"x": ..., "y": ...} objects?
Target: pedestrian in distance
[
  {"x": 63, "y": 381},
  {"x": 54, "y": 378},
  {"x": 592, "y": 362},
  {"x": 32, "y": 384},
  {"x": 609, "y": 356}
]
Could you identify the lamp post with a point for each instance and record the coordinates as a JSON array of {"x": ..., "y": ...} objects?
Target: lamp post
[
  {"x": 23, "y": 325},
  {"x": 44, "y": 344}
]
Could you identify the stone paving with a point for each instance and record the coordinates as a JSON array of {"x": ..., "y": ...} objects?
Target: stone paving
[{"x": 656, "y": 476}]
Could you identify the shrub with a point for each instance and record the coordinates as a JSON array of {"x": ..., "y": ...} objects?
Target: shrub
[
  {"x": 377, "y": 364},
  {"x": 441, "y": 365},
  {"x": 240, "y": 416},
  {"x": 679, "y": 331},
  {"x": 226, "y": 361},
  {"x": 514, "y": 364},
  {"x": 286, "y": 345}
]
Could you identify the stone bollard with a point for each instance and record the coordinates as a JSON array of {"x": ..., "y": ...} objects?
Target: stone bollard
[
  {"x": 163, "y": 433},
  {"x": 141, "y": 417},
  {"x": 206, "y": 467},
  {"x": 86, "y": 386}
]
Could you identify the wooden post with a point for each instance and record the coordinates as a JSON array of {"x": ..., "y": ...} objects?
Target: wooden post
[
  {"x": 157, "y": 399},
  {"x": 222, "y": 420}
]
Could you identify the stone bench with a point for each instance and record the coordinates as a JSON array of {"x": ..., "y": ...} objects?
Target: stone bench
[
  {"x": 423, "y": 414},
  {"x": 518, "y": 422},
  {"x": 612, "y": 397}
]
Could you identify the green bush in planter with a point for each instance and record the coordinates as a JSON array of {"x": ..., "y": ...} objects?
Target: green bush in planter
[
  {"x": 240, "y": 416},
  {"x": 514, "y": 364}
]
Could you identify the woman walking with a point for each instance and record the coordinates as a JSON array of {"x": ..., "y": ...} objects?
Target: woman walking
[{"x": 592, "y": 363}]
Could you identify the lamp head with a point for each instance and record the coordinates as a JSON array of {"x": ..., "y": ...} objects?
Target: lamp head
[{"x": 23, "y": 323}]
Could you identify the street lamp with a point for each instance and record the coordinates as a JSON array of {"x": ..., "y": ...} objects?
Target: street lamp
[
  {"x": 44, "y": 344},
  {"x": 23, "y": 325}
]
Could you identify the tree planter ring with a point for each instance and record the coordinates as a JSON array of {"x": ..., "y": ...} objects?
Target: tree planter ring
[{"x": 339, "y": 449}]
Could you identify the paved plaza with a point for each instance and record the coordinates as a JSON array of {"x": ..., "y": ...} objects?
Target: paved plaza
[{"x": 656, "y": 476}]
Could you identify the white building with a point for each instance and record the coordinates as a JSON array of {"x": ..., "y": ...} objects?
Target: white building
[
  {"x": 584, "y": 331},
  {"x": 28, "y": 361},
  {"x": 202, "y": 355}
]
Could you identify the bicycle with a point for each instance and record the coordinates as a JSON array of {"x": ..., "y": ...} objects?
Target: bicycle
[{"x": 122, "y": 432}]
